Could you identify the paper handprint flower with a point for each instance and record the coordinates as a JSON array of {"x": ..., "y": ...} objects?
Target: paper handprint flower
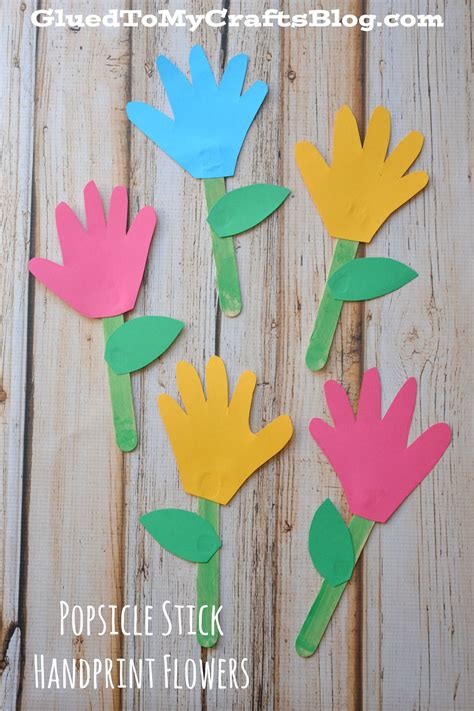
[
  {"x": 103, "y": 265},
  {"x": 354, "y": 196},
  {"x": 216, "y": 452},
  {"x": 210, "y": 121},
  {"x": 205, "y": 136},
  {"x": 100, "y": 277},
  {"x": 361, "y": 187},
  {"x": 215, "y": 449},
  {"x": 377, "y": 469},
  {"x": 369, "y": 452}
]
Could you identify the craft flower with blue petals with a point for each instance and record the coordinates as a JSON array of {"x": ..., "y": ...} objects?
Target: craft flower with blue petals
[
  {"x": 210, "y": 120},
  {"x": 205, "y": 136}
]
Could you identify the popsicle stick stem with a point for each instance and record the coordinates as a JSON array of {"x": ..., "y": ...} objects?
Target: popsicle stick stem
[
  {"x": 227, "y": 275},
  {"x": 207, "y": 587},
  {"x": 329, "y": 310},
  {"x": 120, "y": 387},
  {"x": 322, "y": 609}
]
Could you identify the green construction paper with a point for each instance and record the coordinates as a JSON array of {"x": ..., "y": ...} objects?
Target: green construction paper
[
  {"x": 368, "y": 278},
  {"x": 330, "y": 545},
  {"x": 121, "y": 397},
  {"x": 241, "y": 209},
  {"x": 322, "y": 609},
  {"x": 329, "y": 310},
  {"x": 182, "y": 533},
  {"x": 140, "y": 341}
]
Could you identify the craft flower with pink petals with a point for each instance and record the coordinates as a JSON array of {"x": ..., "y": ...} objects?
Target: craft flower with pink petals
[
  {"x": 103, "y": 265},
  {"x": 100, "y": 277},
  {"x": 377, "y": 469},
  {"x": 369, "y": 453}
]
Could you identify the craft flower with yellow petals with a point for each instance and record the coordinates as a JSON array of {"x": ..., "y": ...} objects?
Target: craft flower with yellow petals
[
  {"x": 354, "y": 195},
  {"x": 361, "y": 188},
  {"x": 215, "y": 449},
  {"x": 216, "y": 452}
]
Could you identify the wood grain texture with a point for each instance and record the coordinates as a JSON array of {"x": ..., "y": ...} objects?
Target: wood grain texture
[
  {"x": 419, "y": 567},
  {"x": 17, "y": 55},
  {"x": 400, "y": 637},
  {"x": 315, "y": 89},
  {"x": 74, "y": 471},
  {"x": 179, "y": 283}
]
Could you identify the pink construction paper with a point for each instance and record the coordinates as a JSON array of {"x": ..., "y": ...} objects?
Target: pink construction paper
[
  {"x": 103, "y": 265},
  {"x": 370, "y": 454}
]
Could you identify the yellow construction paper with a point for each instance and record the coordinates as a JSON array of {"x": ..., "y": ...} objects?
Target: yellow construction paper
[
  {"x": 215, "y": 449},
  {"x": 361, "y": 188}
]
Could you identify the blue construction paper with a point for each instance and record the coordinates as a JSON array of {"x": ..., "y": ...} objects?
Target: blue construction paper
[{"x": 210, "y": 121}]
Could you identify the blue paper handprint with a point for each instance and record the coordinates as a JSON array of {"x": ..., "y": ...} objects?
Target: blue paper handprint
[{"x": 210, "y": 121}]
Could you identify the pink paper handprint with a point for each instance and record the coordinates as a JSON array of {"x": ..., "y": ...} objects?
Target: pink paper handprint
[
  {"x": 103, "y": 265},
  {"x": 370, "y": 454}
]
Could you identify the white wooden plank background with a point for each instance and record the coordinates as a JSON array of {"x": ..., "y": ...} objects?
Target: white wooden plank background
[
  {"x": 419, "y": 611},
  {"x": 17, "y": 83},
  {"x": 70, "y": 502}
]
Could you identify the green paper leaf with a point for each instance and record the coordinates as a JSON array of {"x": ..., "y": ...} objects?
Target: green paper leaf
[
  {"x": 368, "y": 278},
  {"x": 182, "y": 533},
  {"x": 241, "y": 209},
  {"x": 140, "y": 341},
  {"x": 330, "y": 545}
]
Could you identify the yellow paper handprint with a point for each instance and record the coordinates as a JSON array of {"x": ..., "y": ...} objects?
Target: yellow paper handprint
[
  {"x": 215, "y": 449},
  {"x": 361, "y": 188}
]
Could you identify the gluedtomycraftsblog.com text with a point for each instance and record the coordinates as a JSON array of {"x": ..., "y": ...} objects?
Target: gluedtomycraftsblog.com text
[
  {"x": 80, "y": 672},
  {"x": 218, "y": 18}
]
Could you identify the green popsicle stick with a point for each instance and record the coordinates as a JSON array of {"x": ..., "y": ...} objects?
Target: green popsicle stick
[
  {"x": 182, "y": 533},
  {"x": 140, "y": 341},
  {"x": 369, "y": 278},
  {"x": 227, "y": 275},
  {"x": 243, "y": 208},
  {"x": 207, "y": 584},
  {"x": 329, "y": 310},
  {"x": 330, "y": 545},
  {"x": 322, "y": 609},
  {"x": 121, "y": 397}
]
